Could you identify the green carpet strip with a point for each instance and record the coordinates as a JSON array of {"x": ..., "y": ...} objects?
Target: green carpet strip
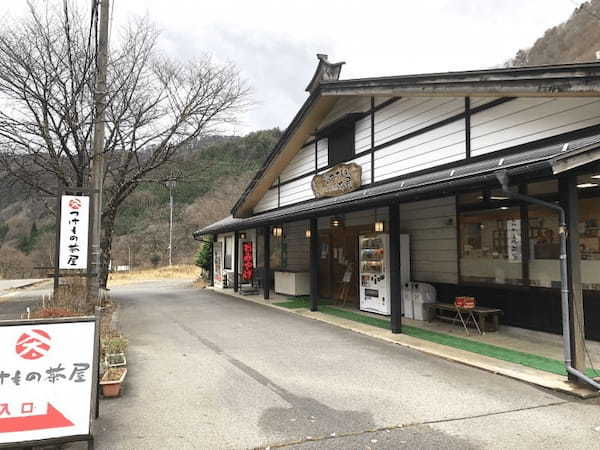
[{"x": 493, "y": 351}]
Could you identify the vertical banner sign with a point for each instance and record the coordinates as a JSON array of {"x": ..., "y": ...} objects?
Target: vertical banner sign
[
  {"x": 74, "y": 226},
  {"x": 47, "y": 374},
  {"x": 217, "y": 257},
  {"x": 247, "y": 261},
  {"x": 513, "y": 236}
]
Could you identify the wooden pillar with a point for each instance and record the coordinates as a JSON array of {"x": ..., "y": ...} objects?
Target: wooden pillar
[
  {"x": 394, "y": 274},
  {"x": 266, "y": 262},
  {"x": 314, "y": 265},
  {"x": 212, "y": 260},
  {"x": 236, "y": 260},
  {"x": 525, "y": 256},
  {"x": 568, "y": 192}
]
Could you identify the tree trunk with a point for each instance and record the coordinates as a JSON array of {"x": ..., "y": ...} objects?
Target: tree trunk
[{"x": 108, "y": 223}]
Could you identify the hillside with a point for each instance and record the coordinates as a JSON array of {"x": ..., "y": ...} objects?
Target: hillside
[
  {"x": 576, "y": 40},
  {"x": 211, "y": 175}
]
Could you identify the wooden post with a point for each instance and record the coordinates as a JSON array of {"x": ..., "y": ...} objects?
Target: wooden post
[
  {"x": 525, "y": 256},
  {"x": 59, "y": 192},
  {"x": 314, "y": 265},
  {"x": 236, "y": 260},
  {"x": 266, "y": 262},
  {"x": 212, "y": 261},
  {"x": 394, "y": 274},
  {"x": 569, "y": 199}
]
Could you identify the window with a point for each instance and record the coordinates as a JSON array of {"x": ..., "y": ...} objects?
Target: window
[
  {"x": 544, "y": 247},
  {"x": 589, "y": 242},
  {"x": 490, "y": 246},
  {"x": 228, "y": 260},
  {"x": 495, "y": 246},
  {"x": 341, "y": 144}
]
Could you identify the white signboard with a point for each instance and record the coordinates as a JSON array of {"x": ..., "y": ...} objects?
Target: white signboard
[
  {"x": 47, "y": 374},
  {"x": 513, "y": 236},
  {"x": 74, "y": 221}
]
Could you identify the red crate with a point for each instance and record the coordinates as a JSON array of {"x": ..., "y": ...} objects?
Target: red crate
[{"x": 469, "y": 302}]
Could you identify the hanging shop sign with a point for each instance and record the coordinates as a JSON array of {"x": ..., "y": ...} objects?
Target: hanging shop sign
[
  {"x": 513, "y": 236},
  {"x": 48, "y": 379},
  {"x": 338, "y": 180},
  {"x": 74, "y": 227},
  {"x": 247, "y": 261}
]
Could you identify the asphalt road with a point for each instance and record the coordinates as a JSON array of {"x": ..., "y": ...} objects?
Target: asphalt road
[
  {"x": 208, "y": 371},
  {"x": 15, "y": 299}
]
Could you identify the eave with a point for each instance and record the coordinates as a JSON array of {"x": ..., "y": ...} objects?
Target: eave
[{"x": 567, "y": 80}]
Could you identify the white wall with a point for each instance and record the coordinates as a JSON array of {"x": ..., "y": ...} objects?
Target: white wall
[
  {"x": 431, "y": 225},
  {"x": 502, "y": 126},
  {"x": 529, "y": 119}
]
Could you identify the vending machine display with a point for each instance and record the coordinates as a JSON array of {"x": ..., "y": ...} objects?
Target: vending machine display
[{"x": 374, "y": 269}]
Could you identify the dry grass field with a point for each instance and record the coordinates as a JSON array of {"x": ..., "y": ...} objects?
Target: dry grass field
[{"x": 175, "y": 272}]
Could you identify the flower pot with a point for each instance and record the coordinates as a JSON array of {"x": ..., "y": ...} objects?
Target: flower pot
[
  {"x": 112, "y": 380},
  {"x": 115, "y": 360}
]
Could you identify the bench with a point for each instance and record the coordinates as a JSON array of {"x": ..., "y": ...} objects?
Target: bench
[{"x": 487, "y": 317}]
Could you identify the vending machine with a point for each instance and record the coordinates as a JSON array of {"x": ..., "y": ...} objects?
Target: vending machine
[
  {"x": 374, "y": 267},
  {"x": 374, "y": 263}
]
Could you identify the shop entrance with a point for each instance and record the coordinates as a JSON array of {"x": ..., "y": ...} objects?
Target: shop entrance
[{"x": 338, "y": 264}]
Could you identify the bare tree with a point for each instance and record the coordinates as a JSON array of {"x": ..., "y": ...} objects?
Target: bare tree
[{"x": 155, "y": 105}]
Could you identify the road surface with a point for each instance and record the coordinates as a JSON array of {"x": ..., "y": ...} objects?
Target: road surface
[{"x": 208, "y": 371}]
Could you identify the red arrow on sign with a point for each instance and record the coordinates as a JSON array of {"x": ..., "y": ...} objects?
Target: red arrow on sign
[{"x": 52, "y": 419}]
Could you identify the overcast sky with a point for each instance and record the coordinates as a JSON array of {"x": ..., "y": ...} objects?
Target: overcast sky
[{"x": 274, "y": 43}]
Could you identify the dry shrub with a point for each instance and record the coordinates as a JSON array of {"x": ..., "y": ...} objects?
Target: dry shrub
[
  {"x": 70, "y": 300},
  {"x": 49, "y": 313},
  {"x": 175, "y": 272},
  {"x": 14, "y": 264}
]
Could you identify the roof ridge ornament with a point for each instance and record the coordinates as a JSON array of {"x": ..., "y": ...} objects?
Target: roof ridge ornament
[{"x": 326, "y": 71}]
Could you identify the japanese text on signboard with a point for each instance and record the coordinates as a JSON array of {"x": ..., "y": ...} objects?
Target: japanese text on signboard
[
  {"x": 247, "y": 261},
  {"x": 74, "y": 232},
  {"x": 46, "y": 379}
]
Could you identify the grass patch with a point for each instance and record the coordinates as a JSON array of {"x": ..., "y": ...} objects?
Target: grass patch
[{"x": 481, "y": 348}]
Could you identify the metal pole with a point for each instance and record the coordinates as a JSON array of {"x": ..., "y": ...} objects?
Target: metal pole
[
  {"x": 170, "y": 227},
  {"x": 171, "y": 186},
  {"x": 98, "y": 153}
]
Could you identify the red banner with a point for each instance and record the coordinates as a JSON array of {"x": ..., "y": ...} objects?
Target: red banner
[{"x": 247, "y": 261}]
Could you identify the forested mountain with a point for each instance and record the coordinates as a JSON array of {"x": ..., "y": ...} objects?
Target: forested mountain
[
  {"x": 576, "y": 40},
  {"x": 211, "y": 174}
]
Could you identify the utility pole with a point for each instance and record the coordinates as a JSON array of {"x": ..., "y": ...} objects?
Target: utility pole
[
  {"x": 171, "y": 185},
  {"x": 98, "y": 153}
]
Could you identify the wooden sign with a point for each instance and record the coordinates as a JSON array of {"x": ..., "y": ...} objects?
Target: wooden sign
[{"x": 338, "y": 180}]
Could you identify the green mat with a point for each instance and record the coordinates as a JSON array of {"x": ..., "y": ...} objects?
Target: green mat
[
  {"x": 493, "y": 351},
  {"x": 302, "y": 301}
]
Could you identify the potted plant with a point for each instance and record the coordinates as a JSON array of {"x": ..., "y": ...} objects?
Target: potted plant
[
  {"x": 112, "y": 380},
  {"x": 115, "y": 352}
]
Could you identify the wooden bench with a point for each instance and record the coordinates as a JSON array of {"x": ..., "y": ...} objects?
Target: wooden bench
[{"x": 487, "y": 317}]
